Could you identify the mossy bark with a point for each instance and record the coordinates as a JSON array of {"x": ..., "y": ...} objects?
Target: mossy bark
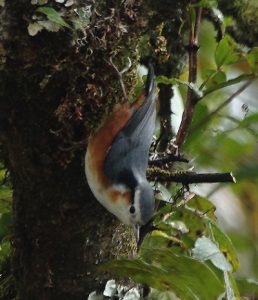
[
  {"x": 61, "y": 233},
  {"x": 55, "y": 88}
]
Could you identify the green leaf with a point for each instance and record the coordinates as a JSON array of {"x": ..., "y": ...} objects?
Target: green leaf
[
  {"x": 174, "y": 81},
  {"x": 205, "y": 249},
  {"x": 203, "y": 205},
  {"x": 218, "y": 78},
  {"x": 228, "y": 83},
  {"x": 52, "y": 15},
  {"x": 212, "y": 78},
  {"x": 208, "y": 73},
  {"x": 193, "y": 222},
  {"x": 231, "y": 287},
  {"x": 201, "y": 111},
  {"x": 225, "y": 52},
  {"x": 252, "y": 59},
  {"x": 165, "y": 80},
  {"x": 171, "y": 238},
  {"x": 248, "y": 287},
  {"x": 193, "y": 139},
  {"x": 225, "y": 245},
  {"x": 169, "y": 272},
  {"x": 249, "y": 120},
  {"x": 158, "y": 295}
]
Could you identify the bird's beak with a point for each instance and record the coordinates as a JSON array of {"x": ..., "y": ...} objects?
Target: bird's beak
[{"x": 136, "y": 231}]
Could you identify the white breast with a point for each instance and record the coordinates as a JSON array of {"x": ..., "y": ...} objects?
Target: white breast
[{"x": 119, "y": 208}]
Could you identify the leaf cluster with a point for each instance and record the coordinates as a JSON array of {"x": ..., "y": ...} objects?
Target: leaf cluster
[{"x": 187, "y": 254}]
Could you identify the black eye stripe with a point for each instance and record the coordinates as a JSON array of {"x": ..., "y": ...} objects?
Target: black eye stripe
[{"x": 132, "y": 209}]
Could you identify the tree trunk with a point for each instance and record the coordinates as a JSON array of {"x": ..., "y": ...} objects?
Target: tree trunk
[
  {"x": 61, "y": 233},
  {"x": 55, "y": 88}
]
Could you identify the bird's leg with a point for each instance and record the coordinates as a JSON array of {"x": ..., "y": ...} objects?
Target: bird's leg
[{"x": 120, "y": 73}]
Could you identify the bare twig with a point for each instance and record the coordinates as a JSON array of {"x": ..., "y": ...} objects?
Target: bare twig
[
  {"x": 189, "y": 177},
  {"x": 222, "y": 105},
  {"x": 191, "y": 99}
]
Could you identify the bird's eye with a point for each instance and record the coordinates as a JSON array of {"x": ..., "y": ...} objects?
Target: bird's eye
[{"x": 132, "y": 209}]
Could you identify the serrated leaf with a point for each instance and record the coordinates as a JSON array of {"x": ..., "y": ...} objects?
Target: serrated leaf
[
  {"x": 169, "y": 272},
  {"x": 225, "y": 52},
  {"x": 205, "y": 249},
  {"x": 252, "y": 59},
  {"x": 52, "y": 15}
]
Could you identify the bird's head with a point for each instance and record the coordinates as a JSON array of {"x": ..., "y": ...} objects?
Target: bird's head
[{"x": 141, "y": 207}]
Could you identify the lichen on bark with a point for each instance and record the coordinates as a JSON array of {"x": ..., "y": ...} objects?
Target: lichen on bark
[{"x": 55, "y": 89}]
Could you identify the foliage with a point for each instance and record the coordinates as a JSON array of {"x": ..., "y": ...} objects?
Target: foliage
[
  {"x": 52, "y": 15},
  {"x": 187, "y": 254},
  {"x": 172, "y": 255}
]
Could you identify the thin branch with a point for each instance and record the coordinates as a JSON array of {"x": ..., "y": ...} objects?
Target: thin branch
[
  {"x": 191, "y": 99},
  {"x": 120, "y": 73},
  {"x": 222, "y": 105},
  {"x": 189, "y": 177}
]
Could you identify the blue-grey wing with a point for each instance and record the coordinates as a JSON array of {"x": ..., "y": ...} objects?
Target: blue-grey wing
[{"x": 130, "y": 148}]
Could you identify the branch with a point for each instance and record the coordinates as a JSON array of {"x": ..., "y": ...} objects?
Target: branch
[
  {"x": 222, "y": 105},
  {"x": 186, "y": 177},
  {"x": 191, "y": 99}
]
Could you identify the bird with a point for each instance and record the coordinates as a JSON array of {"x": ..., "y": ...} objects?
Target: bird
[{"x": 117, "y": 158}]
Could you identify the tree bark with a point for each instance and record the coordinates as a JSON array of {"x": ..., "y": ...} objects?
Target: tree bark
[
  {"x": 55, "y": 88},
  {"x": 61, "y": 233}
]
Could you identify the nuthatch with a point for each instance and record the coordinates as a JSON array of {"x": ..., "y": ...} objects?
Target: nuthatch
[{"x": 117, "y": 157}]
